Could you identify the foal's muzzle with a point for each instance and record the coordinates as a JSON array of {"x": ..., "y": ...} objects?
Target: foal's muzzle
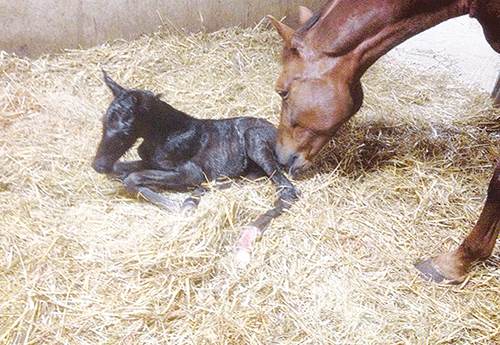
[{"x": 102, "y": 166}]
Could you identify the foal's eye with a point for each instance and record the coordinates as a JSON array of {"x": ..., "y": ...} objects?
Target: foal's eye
[
  {"x": 294, "y": 51},
  {"x": 111, "y": 120}
]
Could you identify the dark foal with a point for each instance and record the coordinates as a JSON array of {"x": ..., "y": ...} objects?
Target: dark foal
[{"x": 180, "y": 152}]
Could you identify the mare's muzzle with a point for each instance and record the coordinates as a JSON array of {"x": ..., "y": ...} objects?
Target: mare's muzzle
[{"x": 294, "y": 162}]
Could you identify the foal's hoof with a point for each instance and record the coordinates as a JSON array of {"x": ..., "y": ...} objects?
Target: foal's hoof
[
  {"x": 187, "y": 207},
  {"x": 430, "y": 271},
  {"x": 245, "y": 245},
  {"x": 171, "y": 206},
  {"x": 242, "y": 258}
]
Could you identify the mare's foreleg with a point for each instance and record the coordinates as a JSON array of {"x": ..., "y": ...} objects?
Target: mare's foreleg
[
  {"x": 260, "y": 151},
  {"x": 495, "y": 94},
  {"x": 146, "y": 182},
  {"x": 452, "y": 267}
]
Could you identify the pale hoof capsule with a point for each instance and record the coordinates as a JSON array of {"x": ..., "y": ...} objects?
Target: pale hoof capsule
[{"x": 245, "y": 245}]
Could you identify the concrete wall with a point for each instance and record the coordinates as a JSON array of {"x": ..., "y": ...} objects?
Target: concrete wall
[
  {"x": 33, "y": 27},
  {"x": 456, "y": 46}
]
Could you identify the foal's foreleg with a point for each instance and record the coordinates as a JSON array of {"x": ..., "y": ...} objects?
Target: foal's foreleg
[
  {"x": 140, "y": 180},
  {"x": 192, "y": 202},
  {"x": 453, "y": 267},
  {"x": 180, "y": 179},
  {"x": 260, "y": 152},
  {"x": 122, "y": 169}
]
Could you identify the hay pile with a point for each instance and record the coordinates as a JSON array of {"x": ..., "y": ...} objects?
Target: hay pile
[{"x": 84, "y": 263}]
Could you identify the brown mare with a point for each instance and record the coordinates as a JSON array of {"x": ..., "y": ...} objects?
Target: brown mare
[{"x": 320, "y": 86}]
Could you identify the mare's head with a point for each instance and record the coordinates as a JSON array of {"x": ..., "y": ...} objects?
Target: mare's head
[
  {"x": 320, "y": 90},
  {"x": 122, "y": 124}
]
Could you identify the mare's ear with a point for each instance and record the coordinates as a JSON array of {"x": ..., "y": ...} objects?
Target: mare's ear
[
  {"x": 115, "y": 88},
  {"x": 304, "y": 15},
  {"x": 286, "y": 32}
]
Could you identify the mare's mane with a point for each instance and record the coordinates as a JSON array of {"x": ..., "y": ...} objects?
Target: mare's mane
[{"x": 310, "y": 23}]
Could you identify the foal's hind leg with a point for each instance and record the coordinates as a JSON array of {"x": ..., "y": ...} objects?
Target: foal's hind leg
[{"x": 260, "y": 149}]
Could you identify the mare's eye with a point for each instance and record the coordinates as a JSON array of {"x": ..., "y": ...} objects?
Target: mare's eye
[{"x": 283, "y": 93}]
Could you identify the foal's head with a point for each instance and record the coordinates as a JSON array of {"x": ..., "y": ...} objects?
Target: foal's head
[{"x": 122, "y": 124}]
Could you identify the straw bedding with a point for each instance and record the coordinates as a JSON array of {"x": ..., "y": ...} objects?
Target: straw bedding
[{"x": 82, "y": 262}]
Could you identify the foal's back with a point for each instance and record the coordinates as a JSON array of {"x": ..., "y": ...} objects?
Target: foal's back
[{"x": 225, "y": 145}]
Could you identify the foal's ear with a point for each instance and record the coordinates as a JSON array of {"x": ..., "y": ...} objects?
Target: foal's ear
[
  {"x": 115, "y": 88},
  {"x": 284, "y": 30}
]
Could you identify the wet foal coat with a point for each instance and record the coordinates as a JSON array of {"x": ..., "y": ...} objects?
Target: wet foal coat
[{"x": 180, "y": 152}]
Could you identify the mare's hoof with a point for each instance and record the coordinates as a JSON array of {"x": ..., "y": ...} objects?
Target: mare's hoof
[
  {"x": 430, "y": 271},
  {"x": 245, "y": 245}
]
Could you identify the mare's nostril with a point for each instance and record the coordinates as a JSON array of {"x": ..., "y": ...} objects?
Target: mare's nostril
[
  {"x": 291, "y": 161},
  {"x": 290, "y": 164}
]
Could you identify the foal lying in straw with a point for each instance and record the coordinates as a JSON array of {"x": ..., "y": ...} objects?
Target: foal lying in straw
[{"x": 180, "y": 152}]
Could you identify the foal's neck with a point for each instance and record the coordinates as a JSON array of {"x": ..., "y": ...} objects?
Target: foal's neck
[{"x": 164, "y": 119}]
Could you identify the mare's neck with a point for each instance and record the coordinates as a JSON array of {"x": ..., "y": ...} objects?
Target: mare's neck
[
  {"x": 364, "y": 30},
  {"x": 370, "y": 50}
]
